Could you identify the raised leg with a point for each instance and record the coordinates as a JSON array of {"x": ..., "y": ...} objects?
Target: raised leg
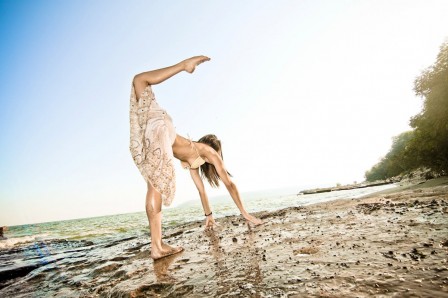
[{"x": 154, "y": 213}]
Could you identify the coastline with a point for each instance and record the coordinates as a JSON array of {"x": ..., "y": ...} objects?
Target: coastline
[
  {"x": 412, "y": 185},
  {"x": 344, "y": 187},
  {"x": 389, "y": 243}
]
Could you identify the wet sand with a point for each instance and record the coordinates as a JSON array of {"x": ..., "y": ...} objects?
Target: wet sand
[{"x": 385, "y": 245}]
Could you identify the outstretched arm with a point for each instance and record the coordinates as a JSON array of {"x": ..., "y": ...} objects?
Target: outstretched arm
[
  {"x": 216, "y": 160},
  {"x": 157, "y": 76},
  {"x": 209, "y": 221}
]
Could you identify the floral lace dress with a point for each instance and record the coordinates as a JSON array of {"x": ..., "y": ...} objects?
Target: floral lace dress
[{"x": 152, "y": 137}]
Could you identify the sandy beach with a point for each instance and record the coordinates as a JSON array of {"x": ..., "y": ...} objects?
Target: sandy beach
[{"x": 390, "y": 244}]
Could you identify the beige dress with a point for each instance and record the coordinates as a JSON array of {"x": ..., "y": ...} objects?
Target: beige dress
[{"x": 152, "y": 137}]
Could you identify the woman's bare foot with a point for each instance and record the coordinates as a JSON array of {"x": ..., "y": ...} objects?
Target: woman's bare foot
[
  {"x": 191, "y": 63},
  {"x": 165, "y": 251},
  {"x": 252, "y": 220}
]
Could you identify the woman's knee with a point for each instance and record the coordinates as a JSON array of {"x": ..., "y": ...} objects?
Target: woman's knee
[{"x": 153, "y": 200}]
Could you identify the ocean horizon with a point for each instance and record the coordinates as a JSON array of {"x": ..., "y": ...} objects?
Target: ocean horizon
[
  {"x": 192, "y": 201},
  {"x": 31, "y": 252},
  {"x": 110, "y": 227}
]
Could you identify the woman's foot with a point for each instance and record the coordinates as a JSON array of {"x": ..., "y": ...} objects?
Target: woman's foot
[
  {"x": 166, "y": 250},
  {"x": 191, "y": 63}
]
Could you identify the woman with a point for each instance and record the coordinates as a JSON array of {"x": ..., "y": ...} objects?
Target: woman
[{"x": 154, "y": 144}]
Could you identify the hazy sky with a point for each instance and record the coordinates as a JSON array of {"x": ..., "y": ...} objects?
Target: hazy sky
[{"x": 301, "y": 93}]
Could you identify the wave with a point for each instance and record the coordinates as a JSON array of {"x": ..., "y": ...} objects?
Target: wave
[
  {"x": 96, "y": 234},
  {"x": 12, "y": 242}
]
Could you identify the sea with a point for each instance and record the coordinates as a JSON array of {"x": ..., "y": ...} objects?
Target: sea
[{"x": 33, "y": 248}]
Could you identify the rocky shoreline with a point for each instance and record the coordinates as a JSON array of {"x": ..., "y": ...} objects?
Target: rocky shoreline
[
  {"x": 384, "y": 245},
  {"x": 416, "y": 177},
  {"x": 344, "y": 187}
]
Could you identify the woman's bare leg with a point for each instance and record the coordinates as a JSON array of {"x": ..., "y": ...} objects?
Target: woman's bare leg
[
  {"x": 157, "y": 76},
  {"x": 154, "y": 213}
]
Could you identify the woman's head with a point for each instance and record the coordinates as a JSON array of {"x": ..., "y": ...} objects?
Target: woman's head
[
  {"x": 208, "y": 170},
  {"x": 212, "y": 141}
]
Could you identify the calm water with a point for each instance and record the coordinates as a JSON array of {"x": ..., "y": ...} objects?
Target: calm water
[
  {"x": 112, "y": 227},
  {"x": 31, "y": 251}
]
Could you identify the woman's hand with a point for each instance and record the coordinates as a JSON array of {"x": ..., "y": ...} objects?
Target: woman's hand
[
  {"x": 191, "y": 63},
  {"x": 252, "y": 219},
  {"x": 210, "y": 223}
]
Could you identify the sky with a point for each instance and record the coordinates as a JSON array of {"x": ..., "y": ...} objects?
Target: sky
[{"x": 301, "y": 93}]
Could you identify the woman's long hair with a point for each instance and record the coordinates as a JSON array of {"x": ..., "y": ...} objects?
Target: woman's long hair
[{"x": 207, "y": 169}]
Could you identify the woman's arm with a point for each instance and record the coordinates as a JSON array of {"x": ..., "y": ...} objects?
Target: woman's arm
[
  {"x": 159, "y": 75},
  {"x": 209, "y": 222},
  {"x": 200, "y": 187},
  {"x": 217, "y": 161}
]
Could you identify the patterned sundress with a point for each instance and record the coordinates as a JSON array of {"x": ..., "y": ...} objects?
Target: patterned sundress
[{"x": 152, "y": 137}]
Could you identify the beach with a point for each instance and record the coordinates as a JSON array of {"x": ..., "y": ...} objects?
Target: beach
[{"x": 392, "y": 243}]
